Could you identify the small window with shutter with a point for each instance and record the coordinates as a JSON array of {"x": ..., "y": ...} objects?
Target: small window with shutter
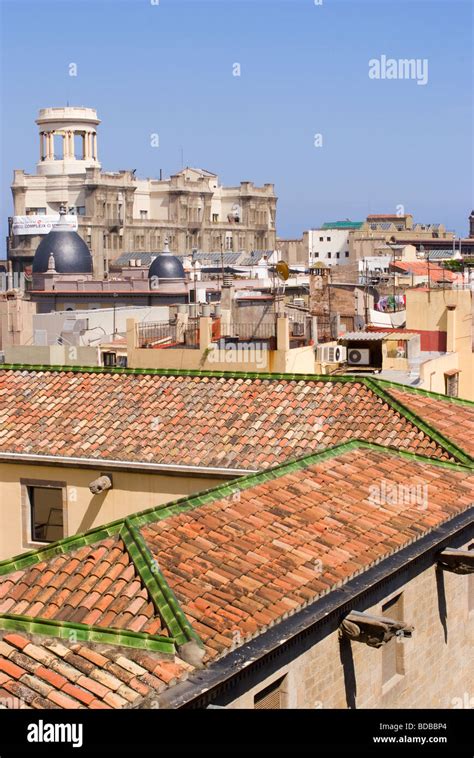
[
  {"x": 272, "y": 697},
  {"x": 451, "y": 381}
]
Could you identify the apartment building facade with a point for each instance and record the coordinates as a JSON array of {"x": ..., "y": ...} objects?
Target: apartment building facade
[
  {"x": 118, "y": 212},
  {"x": 341, "y": 242}
]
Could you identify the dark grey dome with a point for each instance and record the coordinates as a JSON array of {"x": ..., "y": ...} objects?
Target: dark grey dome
[
  {"x": 166, "y": 266},
  {"x": 70, "y": 252}
]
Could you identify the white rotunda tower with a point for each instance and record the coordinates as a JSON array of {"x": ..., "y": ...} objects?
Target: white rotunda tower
[{"x": 68, "y": 140}]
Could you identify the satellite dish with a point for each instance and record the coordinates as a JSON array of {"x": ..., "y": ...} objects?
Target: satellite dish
[{"x": 282, "y": 270}]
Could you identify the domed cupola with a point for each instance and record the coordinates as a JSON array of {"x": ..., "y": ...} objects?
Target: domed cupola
[
  {"x": 166, "y": 266},
  {"x": 63, "y": 251}
]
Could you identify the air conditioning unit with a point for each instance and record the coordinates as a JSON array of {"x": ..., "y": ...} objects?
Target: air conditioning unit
[
  {"x": 331, "y": 354},
  {"x": 358, "y": 356},
  {"x": 298, "y": 302},
  {"x": 298, "y": 329}
]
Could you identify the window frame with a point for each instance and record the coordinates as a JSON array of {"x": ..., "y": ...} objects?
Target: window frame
[
  {"x": 27, "y": 513},
  {"x": 451, "y": 384}
]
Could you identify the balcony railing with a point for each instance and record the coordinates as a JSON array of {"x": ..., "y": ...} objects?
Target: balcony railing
[
  {"x": 172, "y": 334},
  {"x": 248, "y": 331},
  {"x": 167, "y": 334}
]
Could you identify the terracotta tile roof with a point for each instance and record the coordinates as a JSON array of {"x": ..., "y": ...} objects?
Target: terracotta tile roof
[
  {"x": 452, "y": 418},
  {"x": 422, "y": 268},
  {"x": 213, "y": 570},
  {"x": 241, "y": 562},
  {"x": 200, "y": 420},
  {"x": 95, "y": 584},
  {"x": 40, "y": 672}
]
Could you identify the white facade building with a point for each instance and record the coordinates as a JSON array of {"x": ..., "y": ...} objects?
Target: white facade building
[{"x": 328, "y": 246}]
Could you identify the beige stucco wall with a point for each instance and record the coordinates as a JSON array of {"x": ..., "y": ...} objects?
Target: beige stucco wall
[
  {"x": 295, "y": 361},
  {"x": 53, "y": 355},
  {"x": 131, "y": 492},
  {"x": 437, "y": 672},
  {"x": 428, "y": 310},
  {"x": 299, "y": 360},
  {"x": 432, "y": 372}
]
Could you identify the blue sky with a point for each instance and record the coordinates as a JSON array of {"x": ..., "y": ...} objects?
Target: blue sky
[{"x": 168, "y": 69}]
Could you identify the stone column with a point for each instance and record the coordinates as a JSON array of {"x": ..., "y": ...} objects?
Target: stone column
[
  {"x": 41, "y": 145},
  {"x": 70, "y": 144},
  {"x": 49, "y": 146},
  {"x": 94, "y": 137}
]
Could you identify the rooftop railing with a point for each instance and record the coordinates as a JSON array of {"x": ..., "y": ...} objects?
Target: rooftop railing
[
  {"x": 167, "y": 334},
  {"x": 248, "y": 331}
]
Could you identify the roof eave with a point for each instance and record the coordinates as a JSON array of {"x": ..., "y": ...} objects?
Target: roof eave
[{"x": 117, "y": 465}]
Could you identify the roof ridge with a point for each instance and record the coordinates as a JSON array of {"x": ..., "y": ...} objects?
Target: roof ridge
[
  {"x": 128, "y": 525},
  {"x": 25, "y": 560},
  {"x": 204, "y": 497},
  {"x": 449, "y": 446},
  {"x": 22, "y": 367},
  {"x": 424, "y": 392},
  {"x": 87, "y": 633},
  {"x": 146, "y": 567},
  {"x": 163, "y": 598}
]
